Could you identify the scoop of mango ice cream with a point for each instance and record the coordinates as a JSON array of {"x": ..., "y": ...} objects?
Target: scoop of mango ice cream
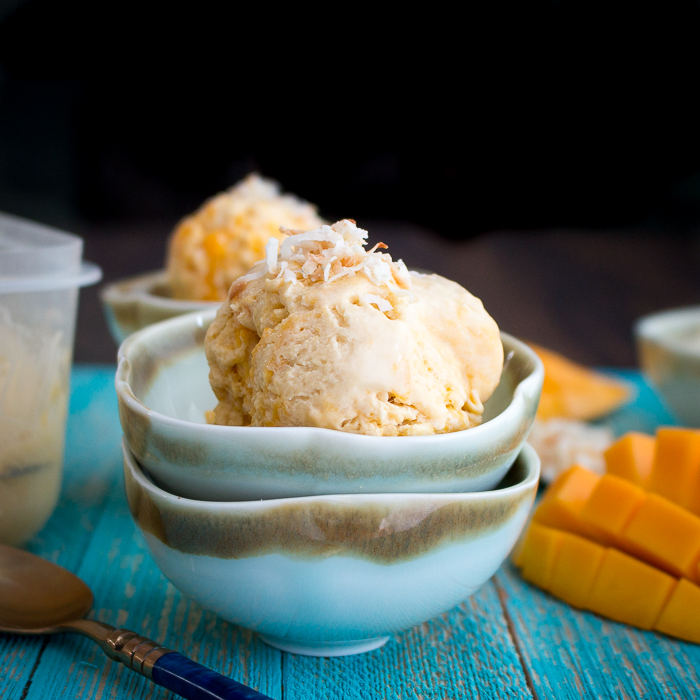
[
  {"x": 327, "y": 334},
  {"x": 222, "y": 239}
]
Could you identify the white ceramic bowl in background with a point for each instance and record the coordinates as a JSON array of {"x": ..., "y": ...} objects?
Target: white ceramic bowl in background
[
  {"x": 137, "y": 302},
  {"x": 332, "y": 575},
  {"x": 668, "y": 345},
  {"x": 163, "y": 390}
]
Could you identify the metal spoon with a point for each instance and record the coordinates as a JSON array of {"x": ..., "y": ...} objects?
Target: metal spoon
[{"x": 38, "y": 597}]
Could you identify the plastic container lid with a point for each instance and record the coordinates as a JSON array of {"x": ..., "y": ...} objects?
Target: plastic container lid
[{"x": 37, "y": 258}]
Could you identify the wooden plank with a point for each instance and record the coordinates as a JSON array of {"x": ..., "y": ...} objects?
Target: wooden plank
[
  {"x": 91, "y": 467},
  {"x": 472, "y": 651},
  {"x": 110, "y": 556},
  {"x": 575, "y": 654},
  {"x": 465, "y": 653},
  {"x": 19, "y": 658},
  {"x": 130, "y": 592},
  {"x": 446, "y": 657}
]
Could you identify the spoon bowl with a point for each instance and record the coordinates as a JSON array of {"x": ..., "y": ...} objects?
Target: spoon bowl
[{"x": 36, "y": 595}]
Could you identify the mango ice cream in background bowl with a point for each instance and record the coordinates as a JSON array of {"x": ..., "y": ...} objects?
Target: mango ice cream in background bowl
[{"x": 206, "y": 252}]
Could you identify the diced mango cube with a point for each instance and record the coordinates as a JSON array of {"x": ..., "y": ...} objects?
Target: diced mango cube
[
  {"x": 630, "y": 591},
  {"x": 611, "y": 504},
  {"x": 631, "y": 458},
  {"x": 666, "y": 535},
  {"x": 564, "y": 500},
  {"x": 693, "y": 498},
  {"x": 539, "y": 554},
  {"x": 676, "y": 467},
  {"x": 681, "y": 615},
  {"x": 575, "y": 569}
]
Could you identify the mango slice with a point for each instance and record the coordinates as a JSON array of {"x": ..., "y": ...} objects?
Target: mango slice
[
  {"x": 665, "y": 535},
  {"x": 630, "y": 591},
  {"x": 613, "y": 584},
  {"x": 607, "y": 545},
  {"x": 612, "y": 504},
  {"x": 613, "y": 512},
  {"x": 675, "y": 473},
  {"x": 681, "y": 615},
  {"x": 564, "y": 500},
  {"x": 539, "y": 553},
  {"x": 573, "y": 391},
  {"x": 631, "y": 458},
  {"x": 575, "y": 569}
]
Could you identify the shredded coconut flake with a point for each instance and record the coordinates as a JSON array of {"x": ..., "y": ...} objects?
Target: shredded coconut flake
[
  {"x": 561, "y": 442},
  {"x": 329, "y": 253},
  {"x": 380, "y": 302},
  {"x": 258, "y": 270},
  {"x": 271, "y": 255}
]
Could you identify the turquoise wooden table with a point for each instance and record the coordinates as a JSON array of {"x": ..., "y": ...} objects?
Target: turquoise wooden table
[{"x": 509, "y": 640}]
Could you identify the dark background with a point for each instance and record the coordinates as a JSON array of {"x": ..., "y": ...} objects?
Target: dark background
[{"x": 569, "y": 127}]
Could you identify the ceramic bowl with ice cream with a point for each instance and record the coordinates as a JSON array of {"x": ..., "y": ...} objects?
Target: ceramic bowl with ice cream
[
  {"x": 206, "y": 252},
  {"x": 332, "y": 575},
  {"x": 330, "y": 369}
]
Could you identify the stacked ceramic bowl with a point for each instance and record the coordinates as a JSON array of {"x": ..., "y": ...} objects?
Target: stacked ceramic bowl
[
  {"x": 137, "y": 302},
  {"x": 323, "y": 542}
]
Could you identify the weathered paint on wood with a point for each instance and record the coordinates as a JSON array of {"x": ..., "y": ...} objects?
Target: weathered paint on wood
[
  {"x": 465, "y": 653},
  {"x": 574, "y": 654},
  {"x": 90, "y": 474},
  {"x": 507, "y": 641}
]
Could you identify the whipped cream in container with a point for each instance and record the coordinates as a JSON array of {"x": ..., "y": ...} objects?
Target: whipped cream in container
[{"x": 41, "y": 271}]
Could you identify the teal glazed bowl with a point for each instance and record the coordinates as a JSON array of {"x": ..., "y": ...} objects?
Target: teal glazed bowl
[
  {"x": 163, "y": 389},
  {"x": 332, "y": 575}
]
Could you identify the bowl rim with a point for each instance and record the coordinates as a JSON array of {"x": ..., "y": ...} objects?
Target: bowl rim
[
  {"x": 139, "y": 289},
  {"x": 655, "y": 327},
  {"x": 202, "y": 318},
  {"x": 529, "y": 482}
]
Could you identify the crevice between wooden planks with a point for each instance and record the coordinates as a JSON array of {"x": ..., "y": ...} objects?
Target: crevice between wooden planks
[
  {"x": 514, "y": 637},
  {"x": 37, "y": 661},
  {"x": 282, "y": 657}
]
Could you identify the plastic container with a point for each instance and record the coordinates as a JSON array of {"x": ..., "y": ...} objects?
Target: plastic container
[{"x": 41, "y": 272}]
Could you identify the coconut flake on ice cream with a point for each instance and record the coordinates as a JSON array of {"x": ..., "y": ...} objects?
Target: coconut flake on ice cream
[{"x": 325, "y": 333}]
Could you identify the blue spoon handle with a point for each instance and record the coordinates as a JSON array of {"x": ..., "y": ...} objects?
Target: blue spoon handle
[
  {"x": 163, "y": 666},
  {"x": 195, "y": 682}
]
